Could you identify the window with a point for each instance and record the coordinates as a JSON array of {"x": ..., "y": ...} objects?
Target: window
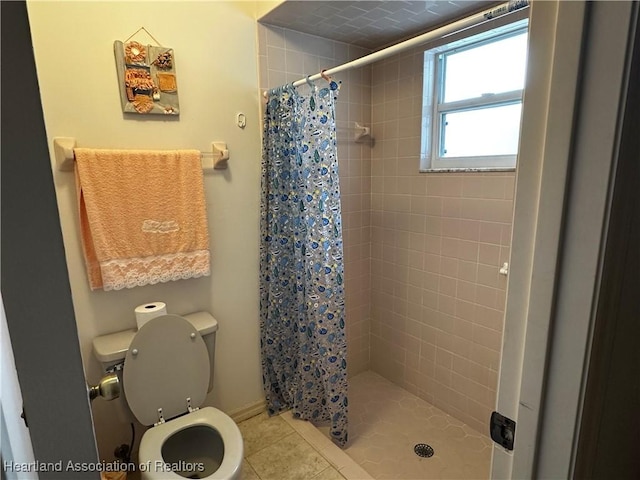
[{"x": 473, "y": 100}]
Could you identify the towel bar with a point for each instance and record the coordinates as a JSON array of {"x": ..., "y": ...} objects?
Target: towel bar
[{"x": 63, "y": 150}]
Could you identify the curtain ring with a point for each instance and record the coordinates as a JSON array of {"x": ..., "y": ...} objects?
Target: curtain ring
[
  {"x": 324, "y": 75},
  {"x": 312, "y": 85},
  {"x": 278, "y": 90}
]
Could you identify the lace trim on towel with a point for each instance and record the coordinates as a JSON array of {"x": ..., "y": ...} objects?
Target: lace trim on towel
[
  {"x": 136, "y": 272},
  {"x": 155, "y": 226}
]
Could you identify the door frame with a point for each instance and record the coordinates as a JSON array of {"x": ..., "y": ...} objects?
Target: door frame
[
  {"x": 609, "y": 421},
  {"x": 562, "y": 200}
]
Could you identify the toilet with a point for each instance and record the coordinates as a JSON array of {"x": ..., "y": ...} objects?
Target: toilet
[{"x": 168, "y": 370}]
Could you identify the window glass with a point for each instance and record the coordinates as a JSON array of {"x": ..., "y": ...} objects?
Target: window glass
[
  {"x": 481, "y": 132},
  {"x": 472, "y": 100},
  {"x": 490, "y": 68}
]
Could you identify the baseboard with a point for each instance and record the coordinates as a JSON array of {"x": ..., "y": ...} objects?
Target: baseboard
[{"x": 248, "y": 411}]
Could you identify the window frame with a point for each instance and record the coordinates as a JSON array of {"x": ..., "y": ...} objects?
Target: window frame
[{"x": 434, "y": 108}]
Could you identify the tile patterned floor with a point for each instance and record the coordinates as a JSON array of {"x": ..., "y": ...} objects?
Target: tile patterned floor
[
  {"x": 283, "y": 448},
  {"x": 385, "y": 422}
]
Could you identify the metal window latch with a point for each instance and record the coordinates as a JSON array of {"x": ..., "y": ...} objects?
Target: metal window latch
[{"x": 503, "y": 430}]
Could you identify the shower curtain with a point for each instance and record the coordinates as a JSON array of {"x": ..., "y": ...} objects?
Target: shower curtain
[{"x": 303, "y": 342}]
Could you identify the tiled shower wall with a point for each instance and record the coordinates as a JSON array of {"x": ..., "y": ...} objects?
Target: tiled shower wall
[
  {"x": 438, "y": 241},
  {"x": 286, "y": 56}
]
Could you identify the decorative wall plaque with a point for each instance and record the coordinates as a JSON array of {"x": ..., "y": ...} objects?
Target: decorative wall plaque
[{"x": 146, "y": 78}]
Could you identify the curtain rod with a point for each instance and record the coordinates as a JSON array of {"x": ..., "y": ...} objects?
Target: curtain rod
[{"x": 445, "y": 30}]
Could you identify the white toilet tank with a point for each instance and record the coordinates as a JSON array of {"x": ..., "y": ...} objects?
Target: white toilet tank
[{"x": 112, "y": 348}]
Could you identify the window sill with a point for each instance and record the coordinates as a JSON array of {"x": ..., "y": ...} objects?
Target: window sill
[{"x": 467, "y": 170}]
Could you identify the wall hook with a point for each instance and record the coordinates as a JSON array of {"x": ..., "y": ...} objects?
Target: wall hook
[{"x": 504, "y": 270}]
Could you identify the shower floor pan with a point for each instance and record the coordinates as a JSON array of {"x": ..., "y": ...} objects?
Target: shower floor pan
[{"x": 387, "y": 423}]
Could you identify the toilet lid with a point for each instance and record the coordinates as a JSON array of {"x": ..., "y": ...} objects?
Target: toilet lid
[{"x": 167, "y": 363}]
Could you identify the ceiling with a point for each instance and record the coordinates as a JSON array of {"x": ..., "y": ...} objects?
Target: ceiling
[{"x": 369, "y": 24}]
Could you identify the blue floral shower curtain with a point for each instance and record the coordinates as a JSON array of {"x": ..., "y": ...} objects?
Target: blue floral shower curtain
[{"x": 302, "y": 325}]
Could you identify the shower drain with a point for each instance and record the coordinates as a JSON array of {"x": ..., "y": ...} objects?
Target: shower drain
[{"x": 423, "y": 450}]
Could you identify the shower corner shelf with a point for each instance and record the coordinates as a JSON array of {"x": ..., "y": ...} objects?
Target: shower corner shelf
[{"x": 362, "y": 133}]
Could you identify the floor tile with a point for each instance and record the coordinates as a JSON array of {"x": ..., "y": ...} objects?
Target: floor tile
[
  {"x": 261, "y": 431},
  {"x": 290, "y": 458},
  {"x": 248, "y": 473},
  {"x": 318, "y": 438},
  {"x": 329, "y": 474}
]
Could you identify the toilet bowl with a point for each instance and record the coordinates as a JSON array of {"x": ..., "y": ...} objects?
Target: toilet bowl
[
  {"x": 166, "y": 376},
  {"x": 205, "y": 443}
]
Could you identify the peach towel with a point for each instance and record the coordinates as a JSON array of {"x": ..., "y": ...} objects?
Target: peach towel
[{"x": 142, "y": 216}]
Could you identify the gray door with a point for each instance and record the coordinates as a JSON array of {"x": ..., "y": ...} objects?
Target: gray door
[{"x": 35, "y": 283}]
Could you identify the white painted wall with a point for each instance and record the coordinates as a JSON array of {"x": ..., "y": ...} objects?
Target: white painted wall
[
  {"x": 265, "y": 6},
  {"x": 216, "y": 60}
]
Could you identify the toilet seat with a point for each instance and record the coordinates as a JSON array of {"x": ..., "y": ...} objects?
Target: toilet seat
[
  {"x": 166, "y": 370},
  {"x": 152, "y": 441},
  {"x": 166, "y": 375}
]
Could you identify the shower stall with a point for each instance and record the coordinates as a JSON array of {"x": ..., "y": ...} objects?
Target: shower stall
[{"x": 424, "y": 295}]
